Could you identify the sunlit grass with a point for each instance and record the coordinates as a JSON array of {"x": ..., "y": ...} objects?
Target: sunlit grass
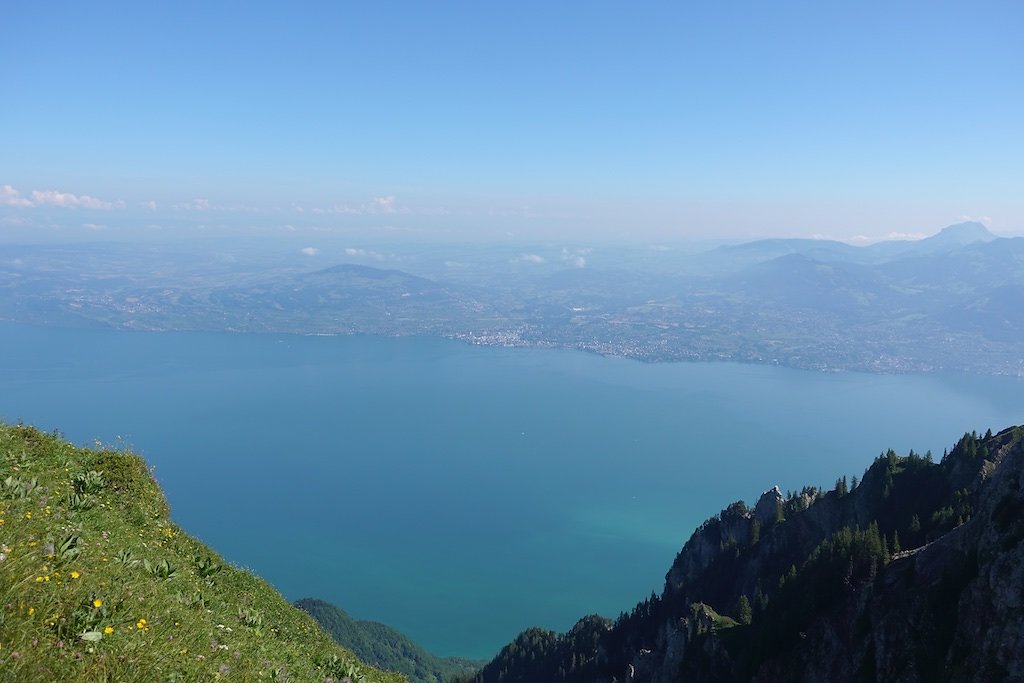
[{"x": 97, "y": 584}]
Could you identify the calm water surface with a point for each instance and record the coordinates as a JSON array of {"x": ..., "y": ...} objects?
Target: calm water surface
[{"x": 464, "y": 493}]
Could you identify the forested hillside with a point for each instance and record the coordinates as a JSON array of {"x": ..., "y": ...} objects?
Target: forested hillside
[
  {"x": 913, "y": 573},
  {"x": 384, "y": 646}
]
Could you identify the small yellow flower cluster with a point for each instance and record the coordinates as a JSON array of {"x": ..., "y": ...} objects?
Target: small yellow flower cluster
[
  {"x": 97, "y": 603},
  {"x": 75, "y": 575},
  {"x": 141, "y": 625},
  {"x": 107, "y": 630}
]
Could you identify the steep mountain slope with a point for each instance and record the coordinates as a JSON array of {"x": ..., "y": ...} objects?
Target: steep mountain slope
[
  {"x": 913, "y": 574},
  {"x": 96, "y": 584},
  {"x": 384, "y": 646}
]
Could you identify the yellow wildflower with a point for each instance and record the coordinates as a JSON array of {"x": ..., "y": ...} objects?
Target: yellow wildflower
[
  {"x": 28, "y": 515},
  {"x": 31, "y": 611},
  {"x": 140, "y": 624},
  {"x": 39, "y": 579},
  {"x": 75, "y": 575},
  {"x": 97, "y": 603},
  {"x": 108, "y": 630}
]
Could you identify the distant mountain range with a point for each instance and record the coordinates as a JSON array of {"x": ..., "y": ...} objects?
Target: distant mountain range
[
  {"x": 949, "y": 239},
  {"x": 948, "y": 302}
]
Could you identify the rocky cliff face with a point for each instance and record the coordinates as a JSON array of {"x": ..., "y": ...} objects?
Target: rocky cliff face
[
  {"x": 916, "y": 574},
  {"x": 950, "y": 610}
]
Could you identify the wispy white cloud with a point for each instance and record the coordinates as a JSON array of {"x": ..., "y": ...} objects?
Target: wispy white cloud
[
  {"x": 383, "y": 205},
  {"x": 151, "y": 205},
  {"x": 528, "y": 258},
  {"x": 906, "y": 236},
  {"x": 310, "y": 251},
  {"x": 358, "y": 252},
  {"x": 976, "y": 219},
  {"x": 194, "y": 205},
  {"x": 70, "y": 200},
  {"x": 94, "y": 226},
  {"x": 336, "y": 209},
  {"x": 203, "y": 204},
  {"x": 11, "y": 197},
  {"x": 862, "y": 240},
  {"x": 577, "y": 256}
]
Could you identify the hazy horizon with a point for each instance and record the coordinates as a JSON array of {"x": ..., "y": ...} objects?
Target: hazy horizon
[{"x": 465, "y": 122}]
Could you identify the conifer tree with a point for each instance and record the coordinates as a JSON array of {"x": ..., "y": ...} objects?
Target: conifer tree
[{"x": 744, "y": 614}]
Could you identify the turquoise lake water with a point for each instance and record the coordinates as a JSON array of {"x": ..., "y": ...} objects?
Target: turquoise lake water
[{"x": 464, "y": 493}]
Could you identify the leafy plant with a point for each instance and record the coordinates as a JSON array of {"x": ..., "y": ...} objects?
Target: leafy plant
[
  {"x": 207, "y": 567},
  {"x": 161, "y": 569},
  {"x": 80, "y": 501},
  {"x": 125, "y": 558},
  {"x": 86, "y": 618},
  {"x": 18, "y": 489},
  {"x": 250, "y": 617},
  {"x": 194, "y": 600},
  {"x": 68, "y": 549},
  {"x": 341, "y": 669},
  {"x": 89, "y": 482}
]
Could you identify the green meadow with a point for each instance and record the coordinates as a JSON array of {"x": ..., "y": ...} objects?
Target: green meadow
[{"x": 96, "y": 584}]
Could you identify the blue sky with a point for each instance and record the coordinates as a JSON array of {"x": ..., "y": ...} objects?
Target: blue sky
[{"x": 541, "y": 120}]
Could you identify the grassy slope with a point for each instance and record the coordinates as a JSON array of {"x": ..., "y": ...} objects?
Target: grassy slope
[
  {"x": 384, "y": 646},
  {"x": 85, "y": 594}
]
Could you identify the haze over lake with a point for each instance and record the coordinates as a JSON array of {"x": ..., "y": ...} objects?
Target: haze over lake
[{"x": 455, "y": 492}]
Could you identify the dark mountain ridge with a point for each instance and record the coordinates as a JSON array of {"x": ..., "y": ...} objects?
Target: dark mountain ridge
[{"x": 915, "y": 573}]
